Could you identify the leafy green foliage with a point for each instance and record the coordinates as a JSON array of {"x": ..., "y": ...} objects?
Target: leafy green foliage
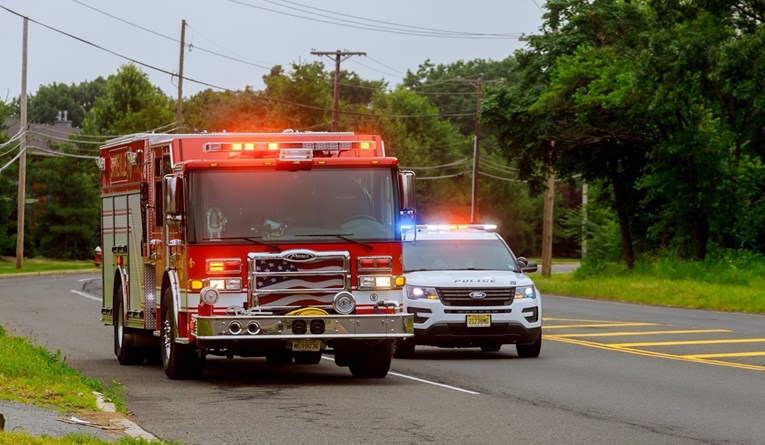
[
  {"x": 129, "y": 104},
  {"x": 66, "y": 224},
  {"x": 76, "y": 100}
]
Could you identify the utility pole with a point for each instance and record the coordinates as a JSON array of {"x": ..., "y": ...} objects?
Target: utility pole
[
  {"x": 584, "y": 219},
  {"x": 179, "y": 104},
  {"x": 339, "y": 56},
  {"x": 23, "y": 150},
  {"x": 476, "y": 149},
  {"x": 547, "y": 219}
]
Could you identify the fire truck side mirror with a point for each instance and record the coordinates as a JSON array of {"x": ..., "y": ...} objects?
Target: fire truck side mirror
[
  {"x": 173, "y": 200},
  {"x": 406, "y": 180}
]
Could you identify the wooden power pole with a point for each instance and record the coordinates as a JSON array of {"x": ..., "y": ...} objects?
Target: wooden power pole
[
  {"x": 179, "y": 104},
  {"x": 476, "y": 150},
  {"x": 23, "y": 152},
  {"x": 339, "y": 56},
  {"x": 547, "y": 224}
]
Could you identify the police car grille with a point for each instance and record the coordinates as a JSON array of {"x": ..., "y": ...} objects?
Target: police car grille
[{"x": 461, "y": 296}]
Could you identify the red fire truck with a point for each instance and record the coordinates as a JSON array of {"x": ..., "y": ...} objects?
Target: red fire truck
[{"x": 277, "y": 245}]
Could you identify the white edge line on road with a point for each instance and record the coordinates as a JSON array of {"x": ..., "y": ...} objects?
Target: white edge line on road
[
  {"x": 419, "y": 380},
  {"x": 433, "y": 383},
  {"x": 86, "y": 295}
]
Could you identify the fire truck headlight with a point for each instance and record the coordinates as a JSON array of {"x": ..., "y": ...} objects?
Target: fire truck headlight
[
  {"x": 209, "y": 296},
  {"x": 375, "y": 282},
  {"x": 344, "y": 303}
]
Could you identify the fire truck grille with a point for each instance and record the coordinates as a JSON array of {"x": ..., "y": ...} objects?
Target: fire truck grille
[
  {"x": 305, "y": 278},
  {"x": 476, "y": 297}
]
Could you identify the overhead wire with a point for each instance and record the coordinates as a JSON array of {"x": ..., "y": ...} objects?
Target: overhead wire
[
  {"x": 433, "y": 167},
  {"x": 263, "y": 97},
  {"x": 238, "y": 58},
  {"x": 13, "y": 138},
  {"x": 9, "y": 163},
  {"x": 394, "y": 29},
  {"x": 60, "y": 153}
]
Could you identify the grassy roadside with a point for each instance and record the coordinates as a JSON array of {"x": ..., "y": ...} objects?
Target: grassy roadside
[
  {"x": 32, "y": 375},
  {"x": 727, "y": 282},
  {"x": 38, "y": 265}
]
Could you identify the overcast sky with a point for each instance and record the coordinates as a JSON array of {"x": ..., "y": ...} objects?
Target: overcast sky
[{"x": 235, "y": 42}]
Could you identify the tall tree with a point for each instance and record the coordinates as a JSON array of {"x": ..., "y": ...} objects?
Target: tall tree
[
  {"x": 130, "y": 104},
  {"x": 575, "y": 107},
  {"x": 50, "y": 100}
]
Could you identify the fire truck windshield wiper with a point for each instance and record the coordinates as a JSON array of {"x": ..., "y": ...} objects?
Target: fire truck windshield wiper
[
  {"x": 252, "y": 239},
  {"x": 342, "y": 236}
]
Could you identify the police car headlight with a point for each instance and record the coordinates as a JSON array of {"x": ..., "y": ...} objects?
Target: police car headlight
[
  {"x": 209, "y": 295},
  {"x": 525, "y": 292},
  {"x": 420, "y": 292}
]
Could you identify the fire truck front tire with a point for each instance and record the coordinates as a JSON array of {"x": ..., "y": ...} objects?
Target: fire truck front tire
[
  {"x": 179, "y": 361},
  {"x": 371, "y": 360},
  {"x": 127, "y": 353}
]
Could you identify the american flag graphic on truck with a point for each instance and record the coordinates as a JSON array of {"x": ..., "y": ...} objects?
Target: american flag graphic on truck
[{"x": 307, "y": 278}]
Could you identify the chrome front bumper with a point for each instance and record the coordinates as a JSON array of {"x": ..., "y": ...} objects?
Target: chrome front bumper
[{"x": 326, "y": 327}]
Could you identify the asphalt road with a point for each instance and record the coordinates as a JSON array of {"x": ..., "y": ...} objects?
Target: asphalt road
[{"x": 608, "y": 373}]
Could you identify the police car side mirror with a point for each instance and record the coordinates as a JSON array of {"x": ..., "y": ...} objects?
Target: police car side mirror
[
  {"x": 173, "y": 200},
  {"x": 526, "y": 265}
]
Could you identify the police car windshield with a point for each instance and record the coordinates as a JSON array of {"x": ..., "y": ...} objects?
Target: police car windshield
[{"x": 444, "y": 254}]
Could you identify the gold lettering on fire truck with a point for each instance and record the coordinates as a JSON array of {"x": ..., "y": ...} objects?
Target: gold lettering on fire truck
[{"x": 119, "y": 167}]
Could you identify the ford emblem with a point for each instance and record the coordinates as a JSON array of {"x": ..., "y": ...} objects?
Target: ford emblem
[
  {"x": 477, "y": 295},
  {"x": 300, "y": 257}
]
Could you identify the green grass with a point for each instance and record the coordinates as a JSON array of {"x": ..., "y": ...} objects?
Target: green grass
[
  {"x": 726, "y": 281},
  {"x": 37, "y": 265},
  {"x": 32, "y": 375}
]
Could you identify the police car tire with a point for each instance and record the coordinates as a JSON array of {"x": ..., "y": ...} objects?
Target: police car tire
[{"x": 530, "y": 350}]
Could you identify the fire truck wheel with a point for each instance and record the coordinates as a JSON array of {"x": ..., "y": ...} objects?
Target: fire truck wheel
[
  {"x": 179, "y": 361},
  {"x": 307, "y": 358},
  {"x": 403, "y": 349},
  {"x": 126, "y": 353},
  {"x": 372, "y": 360}
]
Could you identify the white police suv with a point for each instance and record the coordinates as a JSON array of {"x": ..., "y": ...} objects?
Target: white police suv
[{"x": 466, "y": 288}]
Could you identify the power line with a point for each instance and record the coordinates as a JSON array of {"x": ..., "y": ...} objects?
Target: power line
[
  {"x": 400, "y": 30},
  {"x": 263, "y": 97},
  {"x": 238, "y": 59},
  {"x": 419, "y": 28}
]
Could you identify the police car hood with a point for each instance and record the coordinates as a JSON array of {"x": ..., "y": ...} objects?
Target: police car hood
[{"x": 467, "y": 278}]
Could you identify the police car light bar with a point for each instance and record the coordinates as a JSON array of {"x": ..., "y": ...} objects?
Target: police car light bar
[{"x": 487, "y": 227}]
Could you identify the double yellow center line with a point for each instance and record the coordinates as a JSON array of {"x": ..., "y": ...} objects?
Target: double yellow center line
[{"x": 634, "y": 347}]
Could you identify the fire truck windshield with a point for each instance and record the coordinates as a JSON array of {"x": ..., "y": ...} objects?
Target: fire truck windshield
[{"x": 279, "y": 206}]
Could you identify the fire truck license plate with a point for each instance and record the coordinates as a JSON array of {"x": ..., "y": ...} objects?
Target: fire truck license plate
[
  {"x": 478, "y": 321},
  {"x": 306, "y": 345}
]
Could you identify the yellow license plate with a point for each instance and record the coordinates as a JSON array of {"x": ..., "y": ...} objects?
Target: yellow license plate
[
  {"x": 478, "y": 321},
  {"x": 306, "y": 345}
]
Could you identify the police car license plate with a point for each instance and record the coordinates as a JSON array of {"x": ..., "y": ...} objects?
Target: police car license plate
[
  {"x": 478, "y": 321},
  {"x": 306, "y": 345}
]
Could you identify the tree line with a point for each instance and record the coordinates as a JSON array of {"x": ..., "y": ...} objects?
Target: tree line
[{"x": 656, "y": 105}]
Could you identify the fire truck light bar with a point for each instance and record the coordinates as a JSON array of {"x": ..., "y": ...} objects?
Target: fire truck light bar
[{"x": 274, "y": 146}]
